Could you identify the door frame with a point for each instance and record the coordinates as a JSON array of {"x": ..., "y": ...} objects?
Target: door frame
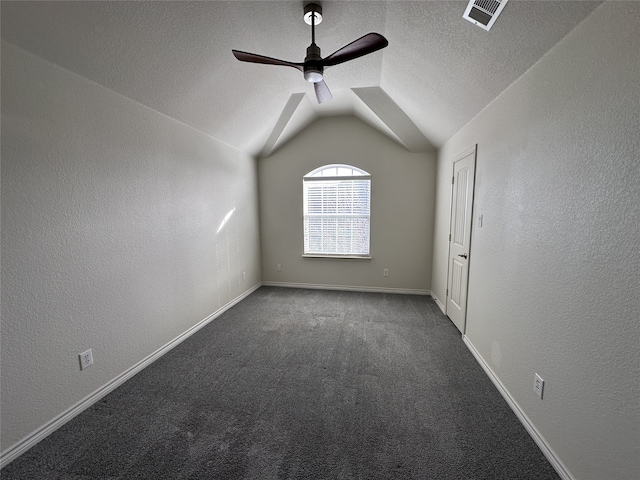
[{"x": 471, "y": 150}]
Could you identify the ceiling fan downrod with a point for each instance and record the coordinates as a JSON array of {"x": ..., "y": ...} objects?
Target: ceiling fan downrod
[{"x": 313, "y": 68}]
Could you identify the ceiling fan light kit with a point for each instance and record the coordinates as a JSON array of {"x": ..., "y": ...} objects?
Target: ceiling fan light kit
[{"x": 313, "y": 66}]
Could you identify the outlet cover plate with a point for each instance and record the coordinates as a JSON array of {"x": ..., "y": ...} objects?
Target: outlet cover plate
[
  {"x": 538, "y": 385},
  {"x": 86, "y": 359}
]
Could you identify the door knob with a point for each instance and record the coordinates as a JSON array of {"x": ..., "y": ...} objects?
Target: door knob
[{"x": 464, "y": 255}]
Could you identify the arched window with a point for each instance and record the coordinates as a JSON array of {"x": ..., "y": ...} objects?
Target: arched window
[{"x": 336, "y": 211}]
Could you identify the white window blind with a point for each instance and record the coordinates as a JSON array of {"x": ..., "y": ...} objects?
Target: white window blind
[{"x": 337, "y": 211}]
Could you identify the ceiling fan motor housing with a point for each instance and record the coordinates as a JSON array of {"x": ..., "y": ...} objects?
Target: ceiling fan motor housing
[{"x": 313, "y": 68}]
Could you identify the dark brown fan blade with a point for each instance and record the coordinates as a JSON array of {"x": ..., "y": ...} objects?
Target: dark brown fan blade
[
  {"x": 322, "y": 91},
  {"x": 362, "y": 46},
  {"x": 253, "y": 58}
]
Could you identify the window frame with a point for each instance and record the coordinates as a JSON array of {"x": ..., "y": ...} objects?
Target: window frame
[{"x": 319, "y": 175}]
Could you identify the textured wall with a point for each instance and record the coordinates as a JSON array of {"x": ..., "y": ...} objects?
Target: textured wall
[
  {"x": 110, "y": 241},
  {"x": 402, "y": 205},
  {"x": 554, "y": 270}
]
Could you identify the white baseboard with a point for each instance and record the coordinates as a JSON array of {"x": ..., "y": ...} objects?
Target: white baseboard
[
  {"x": 548, "y": 452},
  {"x": 439, "y": 303},
  {"x": 29, "y": 441},
  {"x": 349, "y": 288}
]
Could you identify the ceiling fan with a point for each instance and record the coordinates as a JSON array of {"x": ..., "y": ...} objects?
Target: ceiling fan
[{"x": 314, "y": 65}]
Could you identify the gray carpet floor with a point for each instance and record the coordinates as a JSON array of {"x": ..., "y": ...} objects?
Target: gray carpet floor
[{"x": 301, "y": 384}]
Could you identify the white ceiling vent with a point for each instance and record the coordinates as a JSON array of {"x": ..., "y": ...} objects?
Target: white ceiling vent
[{"x": 484, "y": 12}]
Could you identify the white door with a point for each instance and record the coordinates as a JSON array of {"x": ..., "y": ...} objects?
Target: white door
[{"x": 460, "y": 237}]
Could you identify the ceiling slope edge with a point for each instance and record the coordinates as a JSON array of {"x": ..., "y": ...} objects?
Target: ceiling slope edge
[
  {"x": 371, "y": 105},
  {"x": 394, "y": 118},
  {"x": 296, "y": 115},
  {"x": 287, "y": 112}
]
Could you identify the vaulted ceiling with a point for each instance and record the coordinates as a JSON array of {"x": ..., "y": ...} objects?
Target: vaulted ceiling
[{"x": 437, "y": 73}]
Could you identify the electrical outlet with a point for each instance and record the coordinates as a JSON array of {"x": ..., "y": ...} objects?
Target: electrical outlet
[
  {"x": 279, "y": 267},
  {"x": 538, "y": 385},
  {"x": 86, "y": 359},
  {"x": 385, "y": 272},
  {"x": 244, "y": 275}
]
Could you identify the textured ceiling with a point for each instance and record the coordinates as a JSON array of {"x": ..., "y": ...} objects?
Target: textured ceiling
[{"x": 437, "y": 73}]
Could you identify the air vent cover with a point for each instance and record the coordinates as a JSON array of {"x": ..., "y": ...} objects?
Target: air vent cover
[{"x": 483, "y": 13}]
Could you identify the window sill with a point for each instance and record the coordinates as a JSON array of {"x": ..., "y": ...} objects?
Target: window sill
[{"x": 341, "y": 257}]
